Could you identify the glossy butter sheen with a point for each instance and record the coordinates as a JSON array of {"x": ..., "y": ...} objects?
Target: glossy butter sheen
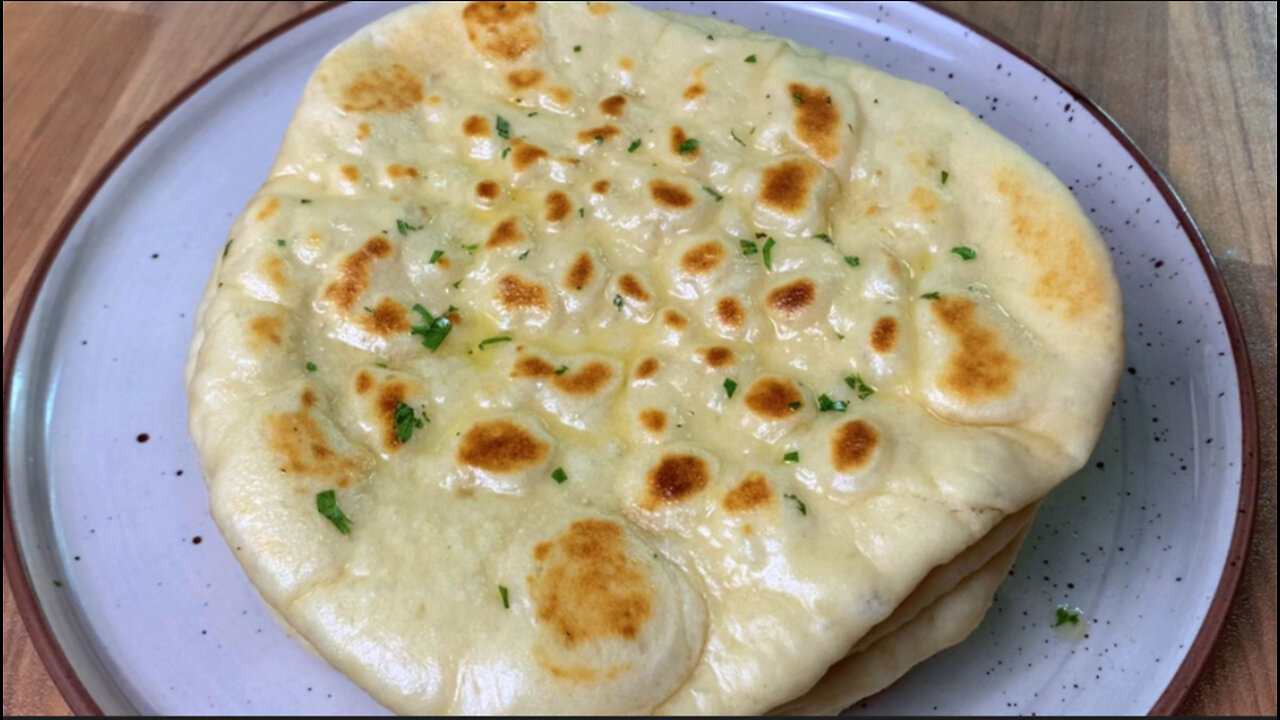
[{"x": 481, "y": 161}]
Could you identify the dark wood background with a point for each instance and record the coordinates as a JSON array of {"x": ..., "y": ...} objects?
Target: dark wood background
[{"x": 1193, "y": 83}]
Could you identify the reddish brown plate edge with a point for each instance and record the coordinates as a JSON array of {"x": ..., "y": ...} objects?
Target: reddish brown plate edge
[{"x": 1193, "y": 665}]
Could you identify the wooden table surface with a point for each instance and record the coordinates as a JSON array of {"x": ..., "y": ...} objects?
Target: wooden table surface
[{"x": 1194, "y": 84}]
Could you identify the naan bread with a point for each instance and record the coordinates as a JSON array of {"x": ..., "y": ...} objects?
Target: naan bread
[{"x": 646, "y": 362}]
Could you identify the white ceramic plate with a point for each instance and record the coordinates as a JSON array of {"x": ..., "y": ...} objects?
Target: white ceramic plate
[{"x": 145, "y": 610}]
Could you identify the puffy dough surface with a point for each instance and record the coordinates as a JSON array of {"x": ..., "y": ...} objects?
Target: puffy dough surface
[{"x": 718, "y": 389}]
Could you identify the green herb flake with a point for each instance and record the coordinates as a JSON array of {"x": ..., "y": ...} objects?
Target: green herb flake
[
  {"x": 795, "y": 405},
  {"x": 634, "y": 146},
  {"x": 577, "y": 48},
  {"x": 750, "y": 58},
  {"x": 457, "y": 284},
  {"x": 404, "y": 228},
  {"x": 494, "y": 341},
  {"x": 858, "y": 385},
  {"x": 688, "y": 147},
  {"x": 305, "y": 201},
  {"x": 852, "y": 261},
  {"x": 562, "y": 369},
  {"x": 798, "y": 97},
  {"x": 791, "y": 457},
  {"x": 617, "y": 302},
  {"x": 931, "y": 296},
  {"x": 1064, "y": 615},
  {"x": 748, "y": 247},
  {"x": 57, "y": 583},
  {"x": 824, "y": 238},
  {"x": 381, "y": 365},
  {"x": 826, "y": 404},
  {"x": 523, "y": 255},
  {"x": 504, "y": 127},
  {"x": 736, "y": 139},
  {"x": 559, "y": 475},
  {"x": 505, "y": 152},
  {"x": 965, "y": 253},
  {"x": 227, "y": 248},
  {"x": 945, "y": 175},
  {"x": 729, "y": 386},
  {"x": 582, "y": 212},
  {"x": 767, "y": 253},
  {"x": 406, "y": 421},
  {"x": 433, "y": 330},
  {"x": 435, "y": 256},
  {"x": 506, "y": 597},
  {"x": 712, "y": 192},
  {"x": 599, "y": 139},
  {"x": 311, "y": 367},
  {"x": 804, "y": 510},
  {"x": 471, "y": 249},
  {"x": 281, "y": 243},
  {"x": 327, "y": 504}
]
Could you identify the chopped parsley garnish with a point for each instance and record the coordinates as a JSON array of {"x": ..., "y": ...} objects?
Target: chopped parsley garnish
[
  {"x": 1063, "y": 615},
  {"x": 826, "y": 404},
  {"x": 798, "y": 97},
  {"x": 736, "y": 139},
  {"x": 750, "y": 58},
  {"x": 57, "y": 583},
  {"x": 599, "y": 139},
  {"x": 227, "y": 248},
  {"x": 457, "y": 285},
  {"x": 404, "y": 227},
  {"x": 945, "y": 175},
  {"x": 577, "y": 48},
  {"x": 965, "y": 253},
  {"x": 748, "y": 247},
  {"x": 523, "y": 255},
  {"x": 433, "y": 330},
  {"x": 505, "y": 152},
  {"x": 494, "y": 341},
  {"x": 767, "y": 253},
  {"x": 559, "y": 475},
  {"x": 634, "y": 146},
  {"x": 688, "y": 146},
  {"x": 281, "y": 243},
  {"x": 406, "y": 421},
  {"x": 798, "y": 503},
  {"x": 729, "y": 386},
  {"x": 858, "y": 385},
  {"x": 311, "y": 367},
  {"x": 617, "y": 302},
  {"x": 582, "y": 212},
  {"x": 305, "y": 201},
  {"x": 792, "y": 457},
  {"x": 712, "y": 192},
  {"x": 795, "y": 405},
  {"x": 852, "y": 260},
  {"x": 506, "y": 598},
  {"x": 471, "y": 249},
  {"x": 504, "y": 127},
  {"x": 381, "y": 365},
  {"x": 435, "y": 256},
  {"x": 824, "y": 238},
  {"x": 327, "y": 504},
  {"x": 562, "y": 369},
  {"x": 931, "y": 295}
]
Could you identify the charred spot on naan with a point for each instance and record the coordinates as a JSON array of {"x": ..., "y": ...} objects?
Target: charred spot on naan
[
  {"x": 1070, "y": 279},
  {"x": 630, "y": 286},
  {"x": 507, "y": 232},
  {"x": 598, "y": 134},
  {"x": 386, "y": 319},
  {"x": 752, "y": 493},
  {"x": 558, "y": 206},
  {"x": 525, "y": 155},
  {"x": 524, "y": 79},
  {"x": 500, "y": 446},
  {"x": 653, "y": 420},
  {"x": 884, "y": 335},
  {"x": 730, "y": 313},
  {"x": 390, "y": 397},
  {"x": 646, "y": 368},
  {"x": 388, "y": 89},
  {"x": 273, "y": 268},
  {"x": 853, "y": 445},
  {"x": 397, "y": 171},
  {"x": 674, "y": 320},
  {"x": 793, "y": 299},
  {"x": 353, "y": 272},
  {"x": 269, "y": 208},
  {"x": 980, "y": 368},
  {"x": 774, "y": 398},
  {"x": 817, "y": 120},
  {"x": 786, "y": 187},
  {"x": 487, "y": 191},
  {"x": 502, "y": 31},
  {"x": 925, "y": 201},
  {"x": 613, "y": 105},
  {"x": 581, "y": 272},
  {"x": 476, "y": 127},
  {"x": 718, "y": 357},
  {"x": 305, "y": 447},
  {"x": 587, "y": 588},
  {"x": 694, "y": 91},
  {"x": 704, "y": 257},
  {"x": 676, "y": 478},
  {"x": 516, "y": 293},
  {"x": 670, "y": 196},
  {"x": 600, "y": 187},
  {"x": 266, "y": 330},
  {"x": 682, "y": 145}
]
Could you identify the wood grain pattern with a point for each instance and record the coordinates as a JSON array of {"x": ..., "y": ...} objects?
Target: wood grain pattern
[{"x": 1194, "y": 84}]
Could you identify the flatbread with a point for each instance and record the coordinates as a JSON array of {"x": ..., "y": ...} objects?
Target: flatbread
[{"x": 742, "y": 342}]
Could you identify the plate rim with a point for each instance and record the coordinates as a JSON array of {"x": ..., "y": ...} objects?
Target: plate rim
[{"x": 1186, "y": 677}]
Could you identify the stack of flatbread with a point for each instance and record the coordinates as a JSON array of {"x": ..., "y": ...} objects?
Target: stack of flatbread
[{"x": 575, "y": 358}]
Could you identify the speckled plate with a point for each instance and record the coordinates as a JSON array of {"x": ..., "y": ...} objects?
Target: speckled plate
[{"x": 136, "y": 604}]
